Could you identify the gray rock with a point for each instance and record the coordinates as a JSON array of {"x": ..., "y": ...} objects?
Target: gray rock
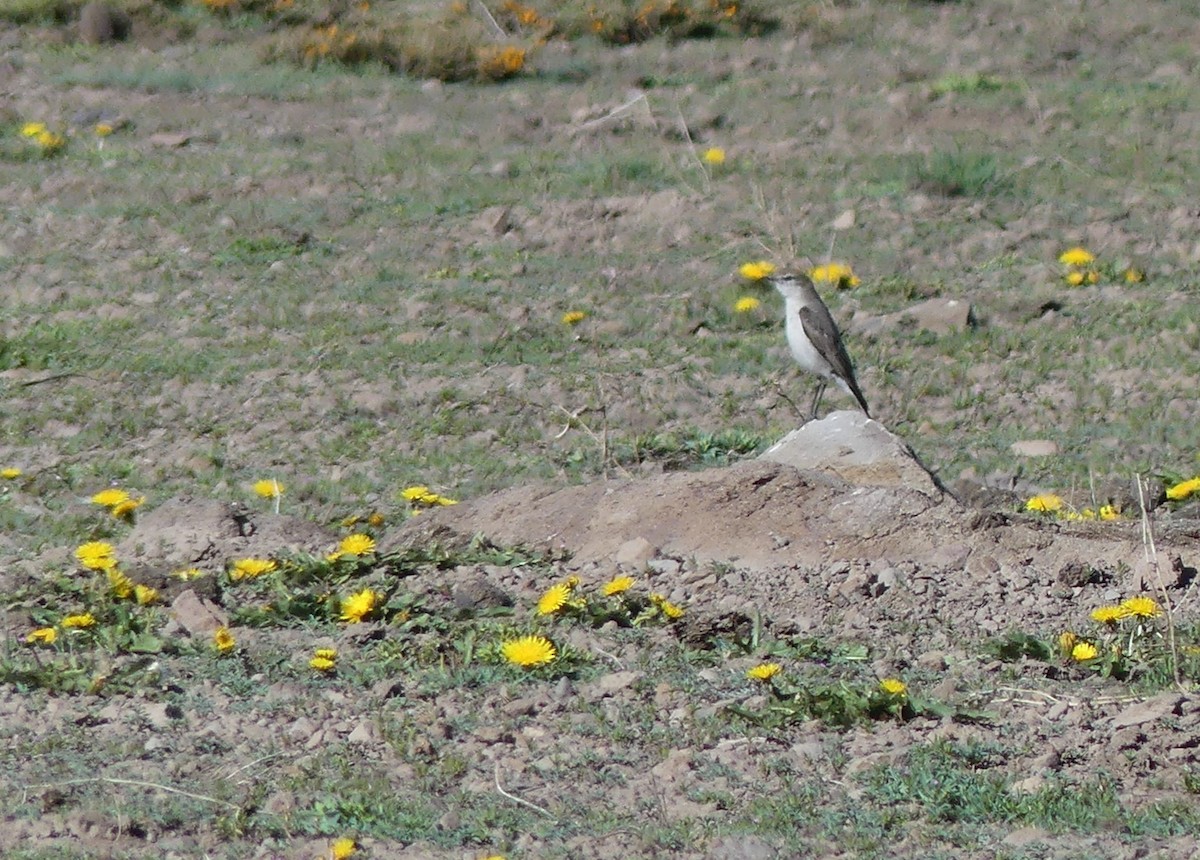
[
  {"x": 635, "y": 552},
  {"x": 936, "y": 315},
  {"x": 857, "y": 449},
  {"x": 1149, "y": 711},
  {"x": 1034, "y": 448},
  {"x": 100, "y": 23},
  {"x": 195, "y": 615}
]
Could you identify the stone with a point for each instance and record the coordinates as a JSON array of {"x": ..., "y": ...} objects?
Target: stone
[
  {"x": 1163, "y": 705},
  {"x": 197, "y": 616},
  {"x": 1034, "y": 448},
  {"x": 100, "y": 23},
  {"x": 857, "y": 449},
  {"x": 635, "y": 552},
  {"x": 938, "y": 315}
]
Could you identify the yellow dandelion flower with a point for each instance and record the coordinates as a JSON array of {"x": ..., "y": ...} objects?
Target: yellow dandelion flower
[
  {"x": 50, "y": 142},
  {"x": 344, "y": 847},
  {"x": 1183, "y": 489},
  {"x": 893, "y": 687},
  {"x": 1141, "y": 607},
  {"x": 359, "y": 605},
  {"x": 529, "y": 651},
  {"x": 415, "y": 494},
  {"x": 763, "y": 671},
  {"x": 1066, "y": 641},
  {"x": 1074, "y": 278},
  {"x": 79, "y": 622},
  {"x": 42, "y": 636},
  {"x": 1046, "y": 503},
  {"x": 188, "y": 574},
  {"x": 756, "y": 271},
  {"x": 837, "y": 274},
  {"x": 1108, "y": 512},
  {"x": 1134, "y": 276},
  {"x": 498, "y": 63},
  {"x": 124, "y": 510},
  {"x": 10, "y": 473},
  {"x": 376, "y": 519},
  {"x": 268, "y": 488},
  {"x": 223, "y": 641},
  {"x": 1083, "y": 651},
  {"x": 669, "y": 609},
  {"x": 573, "y": 317},
  {"x": 102, "y": 129},
  {"x": 1108, "y": 614},
  {"x": 334, "y": 556},
  {"x": 357, "y": 544},
  {"x": 554, "y": 599},
  {"x": 110, "y": 498},
  {"x": 323, "y": 659},
  {"x": 96, "y": 555},
  {"x": 145, "y": 594},
  {"x": 617, "y": 586},
  {"x": 746, "y": 304},
  {"x": 1076, "y": 257},
  {"x": 714, "y": 156},
  {"x": 32, "y": 129},
  {"x": 119, "y": 584},
  {"x": 251, "y": 568}
]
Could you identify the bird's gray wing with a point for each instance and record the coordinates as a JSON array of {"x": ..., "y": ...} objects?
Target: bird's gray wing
[
  {"x": 820, "y": 328},
  {"x": 823, "y": 332}
]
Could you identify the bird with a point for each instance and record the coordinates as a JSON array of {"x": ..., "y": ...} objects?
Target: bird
[{"x": 813, "y": 337}]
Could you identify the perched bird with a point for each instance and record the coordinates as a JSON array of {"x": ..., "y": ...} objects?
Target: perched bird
[{"x": 814, "y": 338}]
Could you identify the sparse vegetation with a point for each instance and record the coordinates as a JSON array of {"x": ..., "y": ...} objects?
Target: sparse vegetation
[{"x": 305, "y": 258}]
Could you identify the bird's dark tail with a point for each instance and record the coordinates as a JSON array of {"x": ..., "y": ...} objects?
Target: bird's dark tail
[{"x": 852, "y": 384}]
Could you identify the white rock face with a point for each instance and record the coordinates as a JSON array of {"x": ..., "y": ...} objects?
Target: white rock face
[{"x": 857, "y": 449}]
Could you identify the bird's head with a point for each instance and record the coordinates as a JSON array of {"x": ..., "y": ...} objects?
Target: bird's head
[{"x": 790, "y": 284}]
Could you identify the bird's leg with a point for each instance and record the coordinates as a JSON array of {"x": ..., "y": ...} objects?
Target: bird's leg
[{"x": 816, "y": 403}]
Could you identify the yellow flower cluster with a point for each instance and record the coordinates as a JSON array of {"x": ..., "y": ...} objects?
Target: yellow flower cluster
[
  {"x": 223, "y": 641},
  {"x": 496, "y": 63},
  {"x": 894, "y": 687},
  {"x": 50, "y": 142},
  {"x": 10, "y": 473},
  {"x": 1048, "y": 503},
  {"x": 1078, "y": 260},
  {"x": 268, "y": 488},
  {"x": 616, "y": 586},
  {"x": 529, "y": 651},
  {"x": 746, "y": 304},
  {"x": 1184, "y": 489},
  {"x": 1135, "y": 607},
  {"x": 555, "y": 598},
  {"x": 757, "y": 270},
  {"x": 419, "y": 496},
  {"x": 324, "y": 41},
  {"x": 839, "y": 275},
  {"x": 573, "y": 318},
  {"x": 355, "y": 544},
  {"x": 119, "y": 503},
  {"x": 324, "y": 660},
  {"x": 96, "y": 555},
  {"x": 250, "y": 568},
  {"x": 359, "y": 606},
  {"x": 524, "y": 16},
  {"x": 714, "y": 156},
  {"x": 763, "y": 671},
  {"x": 666, "y": 607}
]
